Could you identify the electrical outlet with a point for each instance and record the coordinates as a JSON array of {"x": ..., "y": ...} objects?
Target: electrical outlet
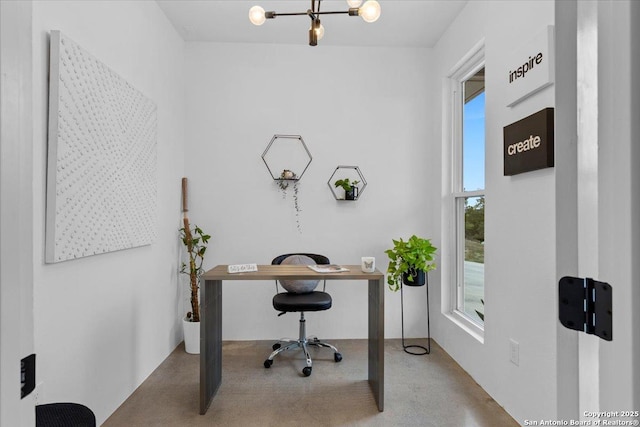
[
  {"x": 515, "y": 352},
  {"x": 37, "y": 393}
]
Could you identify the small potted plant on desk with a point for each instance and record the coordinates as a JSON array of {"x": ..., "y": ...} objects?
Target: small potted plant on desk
[
  {"x": 350, "y": 188},
  {"x": 409, "y": 262},
  {"x": 195, "y": 240}
]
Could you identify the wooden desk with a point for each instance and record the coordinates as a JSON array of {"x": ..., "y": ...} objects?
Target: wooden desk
[{"x": 211, "y": 321}]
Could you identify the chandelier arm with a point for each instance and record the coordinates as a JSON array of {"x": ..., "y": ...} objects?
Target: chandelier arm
[
  {"x": 341, "y": 12},
  {"x": 274, "y": 14}
]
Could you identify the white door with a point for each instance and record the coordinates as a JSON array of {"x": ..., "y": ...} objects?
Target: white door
[
  {"x": 608, "y": 199},
  {"x": 619, "y": 200}
]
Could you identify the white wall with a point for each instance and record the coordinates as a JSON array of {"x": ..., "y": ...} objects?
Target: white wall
[
  {"x": 103, "y": 323},
  {"x": 520, "y": 259},
  {"x": 16, "y": 264},
  {"x": 368, "y": 107}
]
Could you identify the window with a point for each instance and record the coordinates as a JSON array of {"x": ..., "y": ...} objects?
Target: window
[
  {"x": 468, "y": 192},
  {"x": 470, "y": 201}
]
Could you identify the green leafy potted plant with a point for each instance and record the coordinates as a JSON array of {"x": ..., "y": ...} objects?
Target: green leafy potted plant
[
  {"x": 409, "y": 262},
  {"x": 350, "y": 188},
  {"x": 195, "y": 240}
]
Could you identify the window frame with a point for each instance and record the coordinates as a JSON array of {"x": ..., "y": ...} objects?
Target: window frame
[{"x": 454, "y": 194}]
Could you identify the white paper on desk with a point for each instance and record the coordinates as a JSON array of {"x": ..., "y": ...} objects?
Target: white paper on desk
[
  {"x": 242, "y": 268},
  {"x": 327, "y": 268}
]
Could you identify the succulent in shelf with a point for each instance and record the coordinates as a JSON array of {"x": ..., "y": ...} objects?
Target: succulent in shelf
[
  {"x": 350, "y": 188},
  {"x": 287, "y": 174},
  {"x": 285, "y": 177}
]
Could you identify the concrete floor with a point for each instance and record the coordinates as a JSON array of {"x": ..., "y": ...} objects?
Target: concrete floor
[{"x": 425, "y": 391}]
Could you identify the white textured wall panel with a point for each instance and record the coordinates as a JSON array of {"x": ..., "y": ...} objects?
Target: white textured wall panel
[{"x": 101, "y": 178}]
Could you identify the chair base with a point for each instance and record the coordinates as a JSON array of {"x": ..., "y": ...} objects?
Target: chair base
[{"x": 303, "y": 342}]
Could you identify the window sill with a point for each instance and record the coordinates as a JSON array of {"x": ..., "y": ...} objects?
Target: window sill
[{"x": 466, "y": 325}]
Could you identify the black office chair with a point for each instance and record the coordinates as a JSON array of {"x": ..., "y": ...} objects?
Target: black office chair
[
  {"x": 63, "y": 415},
  {"x": 301, "y": 297}
]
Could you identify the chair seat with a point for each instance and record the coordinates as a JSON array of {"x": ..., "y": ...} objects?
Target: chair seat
[{"x": 312, "y": 301}]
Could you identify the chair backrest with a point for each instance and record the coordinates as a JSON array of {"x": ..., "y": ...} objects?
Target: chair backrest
[
  {"x": 319, "y": 259},
  {"x": 298, "y": 286}
]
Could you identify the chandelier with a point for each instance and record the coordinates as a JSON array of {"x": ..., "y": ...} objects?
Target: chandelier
[{"x": 369, "y": 12}]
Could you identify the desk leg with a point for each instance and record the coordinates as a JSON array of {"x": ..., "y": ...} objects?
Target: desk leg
[
  {"x": 376, "y": 340},
  {"x": 210, "y": 341}
]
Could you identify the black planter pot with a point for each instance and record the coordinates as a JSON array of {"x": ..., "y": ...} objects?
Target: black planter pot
[
  {"x": 351, "y": 194},
  {"x": 419, "y": 278}
]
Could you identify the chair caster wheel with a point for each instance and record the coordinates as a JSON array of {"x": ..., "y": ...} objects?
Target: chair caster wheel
[
  {"x": 337, "y": 357},
  {"x": 268, "y": 363},
  {"x": 307, "y": 371},
  {"x": 276, "y": 346}
]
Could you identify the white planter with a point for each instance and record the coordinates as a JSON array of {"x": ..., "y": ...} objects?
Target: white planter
[{"x": 191, "y": 336}]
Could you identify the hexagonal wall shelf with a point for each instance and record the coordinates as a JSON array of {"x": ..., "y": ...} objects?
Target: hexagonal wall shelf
[
  {"x": 287, "y": 157},
  {"x": 350, "y": 174}
]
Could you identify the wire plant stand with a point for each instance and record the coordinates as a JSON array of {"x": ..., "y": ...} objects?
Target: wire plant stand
[{"x": 415, "y": 349}]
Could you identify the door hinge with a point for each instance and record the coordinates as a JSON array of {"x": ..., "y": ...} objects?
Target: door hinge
[{"x": 586, "y": 305}]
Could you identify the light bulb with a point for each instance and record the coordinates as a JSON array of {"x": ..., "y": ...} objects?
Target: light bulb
[
  {"x": 370, "y": 11},
  {"x": 319, "y": 31},
  {"x": 256, "y": 15},
  {"x": 354, "y": 3}
]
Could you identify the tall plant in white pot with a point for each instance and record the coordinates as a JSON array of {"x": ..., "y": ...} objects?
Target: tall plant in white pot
[{"x": 195, "y": 240}]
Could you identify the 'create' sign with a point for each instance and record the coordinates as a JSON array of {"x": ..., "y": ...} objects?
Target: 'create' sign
[{"x": 528, "y": 143}]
